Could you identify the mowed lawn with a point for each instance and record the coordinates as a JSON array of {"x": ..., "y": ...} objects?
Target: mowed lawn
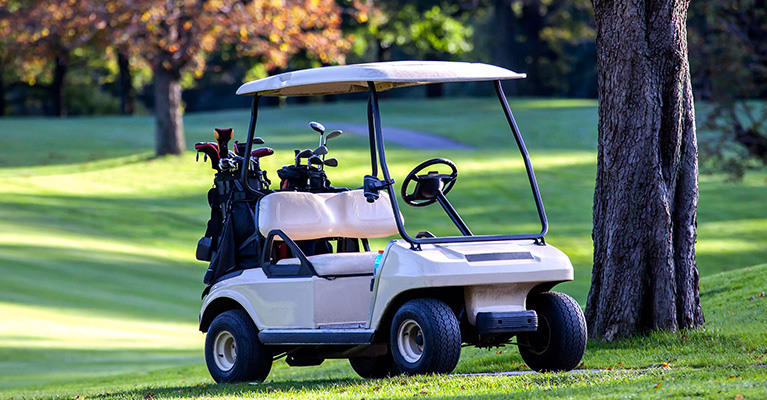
[{"x": 100, "y": 290}]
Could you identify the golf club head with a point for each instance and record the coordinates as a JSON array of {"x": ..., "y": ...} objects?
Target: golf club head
[
  {"x": 303, "y": 154},
  {"x": 258, "y": 140},
  {"x": 331, "y": 162},
  {"x": 320, "y": 151},
  {"x": 306, "y": 153},
  {"x": 316, "y": 160},
  {"x": 317, "y": 127},
  {"x": 333, "y": 134},
  {"x": 262, "y": 152}
]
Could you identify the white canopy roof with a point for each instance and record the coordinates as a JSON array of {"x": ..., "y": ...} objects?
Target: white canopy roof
[{"x": 386, "y": 75}]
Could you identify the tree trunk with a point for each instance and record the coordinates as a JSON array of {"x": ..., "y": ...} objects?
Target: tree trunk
[
  {"x": 169, "y": 137},
  {"x": 532, "y": 23},
  {"x": 503, "y": 32},
  {"x": 58, "y": 93},
  {"x": 645, "y": 202},
  {"x": 127, "y": 93},
  {"x": 2, "y": 90}
]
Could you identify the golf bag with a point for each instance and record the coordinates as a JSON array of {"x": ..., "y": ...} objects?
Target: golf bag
[
  {"x": 303, "y": 178},
  {"x": 231, "y": 241}
]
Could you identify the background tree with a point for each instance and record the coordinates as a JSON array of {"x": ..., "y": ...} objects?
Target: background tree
[
  {"x": 175, "y": 37},
  {"x": 550, "y": 40},
  {"x": 730, "y": 41},
  {"x": 644, "y": 275},
  {"x": 51, "y": 30}
]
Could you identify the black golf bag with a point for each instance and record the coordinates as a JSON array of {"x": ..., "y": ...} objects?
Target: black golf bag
[{"x": 231, "y": 241}]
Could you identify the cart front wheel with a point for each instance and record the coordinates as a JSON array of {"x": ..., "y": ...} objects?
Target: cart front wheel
[
  {"x": 425, "y": 337},
  {"x": 233, "y": 352},
  {"x": 560, "y": 341}
]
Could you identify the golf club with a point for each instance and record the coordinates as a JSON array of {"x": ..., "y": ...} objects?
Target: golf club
[
  {"x": 319, "y": 128},
  {"x": 223, "y": 136},
  {"x": 315, "y": 160},
  {"x": 331, "y": 162},
  {"x": 303, "y": 154}
]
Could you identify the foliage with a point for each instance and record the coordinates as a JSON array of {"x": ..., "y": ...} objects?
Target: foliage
[
  {"x": 428, "y": 33},
  {"x": 550, "y": 40},
  {"x": 729, "y": 61}
]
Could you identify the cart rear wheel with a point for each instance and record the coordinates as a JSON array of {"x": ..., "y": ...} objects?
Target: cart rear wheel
[
  {"x": 560, "y": 341},
  {"x": 425, "y": 337},
  {"x": 233, "y": 352}
]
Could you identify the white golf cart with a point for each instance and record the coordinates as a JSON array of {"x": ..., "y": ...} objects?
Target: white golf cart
[{"x": 408, "y": 310}]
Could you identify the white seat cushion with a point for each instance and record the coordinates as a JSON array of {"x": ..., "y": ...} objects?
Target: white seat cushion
[
  {"x": 305, "y": 216},
  {"x": 338, "y": 264}
]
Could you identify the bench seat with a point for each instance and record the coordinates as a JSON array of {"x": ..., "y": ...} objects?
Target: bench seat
[{"x": 339, "y": 264}]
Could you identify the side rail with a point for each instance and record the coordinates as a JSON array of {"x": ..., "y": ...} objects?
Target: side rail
[{"x": 304, "y": 269}]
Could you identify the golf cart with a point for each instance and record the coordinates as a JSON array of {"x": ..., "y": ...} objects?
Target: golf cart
[{"x": 278, "y": 287}]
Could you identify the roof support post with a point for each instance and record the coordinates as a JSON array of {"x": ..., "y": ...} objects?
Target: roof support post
[
  {"x": 249, "y": 147},
  {"x": 525, "y": 157},
  {"x": 374, "y": 126}
]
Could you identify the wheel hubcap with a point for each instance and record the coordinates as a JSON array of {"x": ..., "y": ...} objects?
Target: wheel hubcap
[
  {"x": 225, "y": 351},
  {"x": 410, "y": 341}
]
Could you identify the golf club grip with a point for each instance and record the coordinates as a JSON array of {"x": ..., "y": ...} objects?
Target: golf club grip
[{"x": 262, "y": 152}]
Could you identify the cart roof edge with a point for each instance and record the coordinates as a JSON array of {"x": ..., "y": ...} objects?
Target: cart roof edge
[{"x": 386, "y": 75}]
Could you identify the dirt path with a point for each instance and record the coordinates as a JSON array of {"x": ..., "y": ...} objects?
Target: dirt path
[{"x": 405, "y": 137}]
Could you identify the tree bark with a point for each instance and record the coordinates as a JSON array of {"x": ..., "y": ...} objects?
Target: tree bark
[
  {"x": 127, "y": 93},
  {"x": 169, "y": 137},
  {"x": 645, "y": 202},
  {"x": 58, "y": 92}
]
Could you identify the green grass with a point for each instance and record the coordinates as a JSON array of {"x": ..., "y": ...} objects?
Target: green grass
[{"x": 100, "y": 291}]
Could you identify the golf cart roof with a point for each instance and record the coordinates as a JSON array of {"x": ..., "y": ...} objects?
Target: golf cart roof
[{"x": 386, "y": 75}]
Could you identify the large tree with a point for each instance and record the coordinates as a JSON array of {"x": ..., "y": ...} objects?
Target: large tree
[
  {"x": 50, "y": 30},
  {"x": 644, "y": 275},
  {"x": 176, "y": 36}
]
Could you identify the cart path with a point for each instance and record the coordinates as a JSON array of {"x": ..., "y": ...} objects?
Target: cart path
[{"x": 405, "y": 137}]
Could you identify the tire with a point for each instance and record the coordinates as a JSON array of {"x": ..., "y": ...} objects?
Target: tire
[
  {"x": 375, "y": 367},
  {"x": 425, "y": 338},
  {"x": 560, "y": 341},
  {"x": 233, "y": 352}
]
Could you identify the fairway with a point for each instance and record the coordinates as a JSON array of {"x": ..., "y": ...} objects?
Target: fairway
[{"x": 100, "y": 289}]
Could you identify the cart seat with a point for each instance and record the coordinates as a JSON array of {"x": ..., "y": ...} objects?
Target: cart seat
[
  {"x": 307, "y": 216},
  {"x": 339, "y": 264}
]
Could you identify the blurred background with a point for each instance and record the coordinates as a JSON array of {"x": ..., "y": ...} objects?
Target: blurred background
[{"x": 88, "y": 57}]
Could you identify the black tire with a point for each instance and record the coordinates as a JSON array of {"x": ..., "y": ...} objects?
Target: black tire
[
  {"x": 375, "y": 367},
  {"x": 233, "y": 352},
  {"x": 560, "y": 341},
  {"x": 425, "y": 338}
]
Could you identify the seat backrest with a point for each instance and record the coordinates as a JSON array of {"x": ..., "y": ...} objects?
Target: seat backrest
[{"x": 304, "y": 216}]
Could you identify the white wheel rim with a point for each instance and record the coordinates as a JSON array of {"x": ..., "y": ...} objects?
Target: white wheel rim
[
  {"x": 225, "y": 351},
  {"x": 410, "y": 341}
]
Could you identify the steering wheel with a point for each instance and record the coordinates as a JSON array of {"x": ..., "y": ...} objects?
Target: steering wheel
[{"x": 428, "y": 186}]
